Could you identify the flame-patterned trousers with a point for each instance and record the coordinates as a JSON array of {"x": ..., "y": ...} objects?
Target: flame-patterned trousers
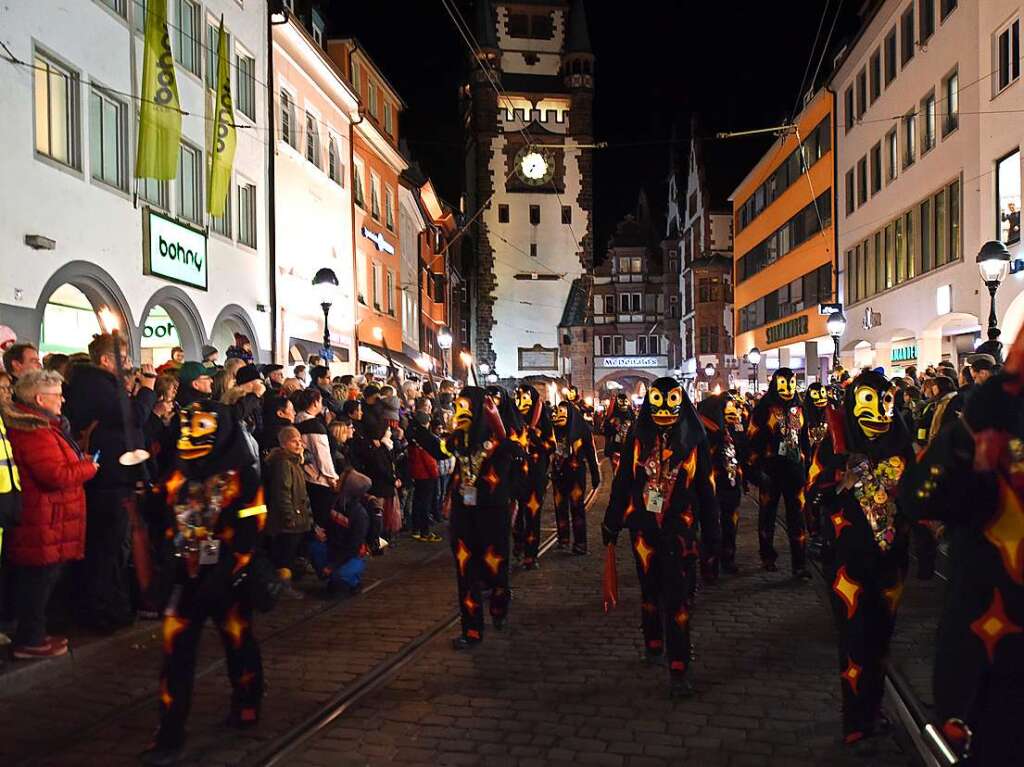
[
  {"x": 865, "y": 593},
  {"x": 785, "y": 480},
  {"x": 192, "y": 602},
  {"x": 480, "y": 545},
  {"x": 570, "y": 490},
  {"x": 667, "y": 567},
  {"x": 526, "y": 533}
]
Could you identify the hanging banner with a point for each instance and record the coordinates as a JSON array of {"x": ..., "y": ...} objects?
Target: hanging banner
[
  {"x": 160, "y": 112},
  {"x": 222, "y": 151}
]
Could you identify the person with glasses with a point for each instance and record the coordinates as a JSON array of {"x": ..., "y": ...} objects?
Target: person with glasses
[{"x": 51, "y": 529}]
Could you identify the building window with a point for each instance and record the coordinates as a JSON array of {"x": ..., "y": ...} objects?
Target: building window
[
  {"x": 153, "y": 191},
  {"x": 851, "y": 197},
  {"x": 139, "y": 15},
  {"x": 862, "y": 181},
  {"x": 951, "y": 94},
  {"x": 862, "y": 93},
  {"x": 390, "y": 293},
  {"x": 606, "y": 345},
  {"x": 56, "y": 111},
  {"x": 1008, "y": 55},
  {"x": 953, "y": 191},
  {"x": 358, "y": 192},
  {"x": 375, "y": 286},
  {"x": 533, "y": 250},
  {"x": 246, "y": 85},
  {"x": 1008, "y": 198},
  {"x": 535, "y": 214},
  {"x": 333, "y": 161},
  {"x": 287, "y": 118},
  {"x": 188, "y": 50},
  {"x": 375, "y": 196},
  {"x": 890, "y": 56},
  {"x": 389, "y": 208},
  {"x": 212, "y": 41},
  {"x": 925, "y": 221},
  {"x": 190, "y": 183},
  {"x": 848, "y": 108},
  {"x": 940, "y": 228},
  {"x": 566, "y": 214},
  {"x": 247, "y": 214},
  {"x": 609, "y": 304},
  {"x": 117, "y": 6},
  {"x": 388, "y": 125},
  {"x": 371, "y": 98},
  {"x": 312, "y": 140},
  {"x": 318, "y": 36},
  {"x": 909, "y": 139},
  {"x": 709, "y": 339},
  {"x": 928, "y": 118},
  {"x": 926, "y": 22},
  {"x": 875, "y": 69},
  {"x": 907, "y": 36},
  {"x": 502, "y": 214},
  {"x": 876, "y": 168},
  {"x": 617, "y": 345},
  {"x": 947, "y": 7},
  {"x": 892, "y": 155},
  {"x": 222, "y": 224},
  {"x": 107, "y": 139},
  {"x": 641, "y": 344}
]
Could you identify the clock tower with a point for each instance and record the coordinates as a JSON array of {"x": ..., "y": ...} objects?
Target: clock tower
[{"x": 529, "y": 165}]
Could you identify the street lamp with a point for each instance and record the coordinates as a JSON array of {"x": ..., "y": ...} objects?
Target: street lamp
[
  {"x": 754, "y": 358},
  {"x": 484, "y": 368},
  {"x": 994, "y": 264},
  {"x": 444, "y": 340},
  {"x": 491, "y": 378},
  {"x": 709, "y": 370},
  {"x": 836, "y": 326},
  {"x": 325, "y": 285}
]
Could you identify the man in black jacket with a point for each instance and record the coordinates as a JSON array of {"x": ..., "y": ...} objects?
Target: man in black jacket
[
  {"x": 320, "y": 379},
  {"x": 108, "y": 422}
]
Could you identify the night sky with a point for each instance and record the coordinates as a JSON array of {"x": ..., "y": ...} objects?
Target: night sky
[{"x": 736, "y": 65}]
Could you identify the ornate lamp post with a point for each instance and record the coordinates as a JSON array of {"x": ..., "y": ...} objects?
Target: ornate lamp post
[
  {"x": 444, "y": 340},
  {"x": 754, "y": 358},
  {"x": 325, "y": 285},
  {"x": 836, "y": 325},
  {"x": 994, "y": 265}
]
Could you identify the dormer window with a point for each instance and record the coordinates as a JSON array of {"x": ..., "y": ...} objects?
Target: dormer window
[
  {"x": 536, "y": 26},
  {"x": 318, "y": 36}
]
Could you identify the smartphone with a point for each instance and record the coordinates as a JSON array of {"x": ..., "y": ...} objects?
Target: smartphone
[{"x": 96, "y": 457}]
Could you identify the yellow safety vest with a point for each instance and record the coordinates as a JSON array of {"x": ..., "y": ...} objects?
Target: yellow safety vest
[{"x": 9, "y": 479}]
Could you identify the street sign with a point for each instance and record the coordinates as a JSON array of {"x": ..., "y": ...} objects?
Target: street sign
[{"x": 827, "y": 309}]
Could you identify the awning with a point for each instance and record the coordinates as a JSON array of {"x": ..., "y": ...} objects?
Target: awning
[{"x": 376, "y": 355}]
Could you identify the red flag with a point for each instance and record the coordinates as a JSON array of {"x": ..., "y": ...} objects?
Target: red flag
[{"x": 610, "y": 580}]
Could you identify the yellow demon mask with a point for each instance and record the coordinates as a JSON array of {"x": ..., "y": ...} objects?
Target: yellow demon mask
[
  {"x": 462, "y": 419},
  {"x": 873, "y": 403},
  {"x": 785, "y": 384},
  {"x": 198, "y": 432},
  {"x": 665, "y": 399},
  {"x": 524, "y": 401},
  {"x": 560, "y": 416},
  {"x": 818, "y": 395},
  {"x": 731, "y": 411}
]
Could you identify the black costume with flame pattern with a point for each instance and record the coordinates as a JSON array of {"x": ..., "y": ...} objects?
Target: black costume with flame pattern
[
  {"x": 215, "y": 513},
  {"x": 776, "y": 463},
  {"x": 719, "y": 414},
  {"x": 855, "y": 476},
  {"x": 664, "y": 492},
  {"x": 574, "y": 454},
  {"x": 487, "y": 467},
  {"x": 540, "y": 444},
  {"x": 617, "y": 423}
]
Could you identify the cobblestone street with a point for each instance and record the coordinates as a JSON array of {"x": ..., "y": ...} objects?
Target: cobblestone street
[{"x": 564, "y": 685}]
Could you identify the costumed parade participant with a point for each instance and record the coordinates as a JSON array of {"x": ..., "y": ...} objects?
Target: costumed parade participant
[
  {"x": 719, "y": 414},
  {"x": 487, "y": 466},
  {"x": 815, "y": 430},
  {"x": 855, "y": 476},
  {"x": 574, "y": 454},
  {"x": 664, "y": 493},
  {"x": 540, "y": 444},
  {"x": 617, "y": 424},
  {"x": 971, "y": 478},
  {"x": 776, "y": 464},
  {"x": 215, "y": 512}
]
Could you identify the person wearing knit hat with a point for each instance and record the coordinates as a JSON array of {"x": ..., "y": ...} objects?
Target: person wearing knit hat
[
  {"x": 274, "y": 375},
  {"x": 195, "y": 383},
  {"x": 210, "y": 355},
  {"x": 247, "y": 373}
]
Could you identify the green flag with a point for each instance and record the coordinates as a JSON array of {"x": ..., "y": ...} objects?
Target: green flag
[
  {"x": 222, "y": 150},
  {"x": 160, "y": 113}
]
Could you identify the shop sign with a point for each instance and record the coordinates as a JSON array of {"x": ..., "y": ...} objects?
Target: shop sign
[
  {"x": 159, "y": 332},
  {"x": 787, "y": 329},
  {"x": 905, "y": 353},
  {"x": 377, "y": 238},
  {"x": 538, "y": 357},
  {"x": 173, "y": 251},
  {"x": 632, "y": 362},
  {"x": 871, "y": 319}
]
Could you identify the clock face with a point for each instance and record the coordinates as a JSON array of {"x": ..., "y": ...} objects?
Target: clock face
[{"x": 533, "y": 166}]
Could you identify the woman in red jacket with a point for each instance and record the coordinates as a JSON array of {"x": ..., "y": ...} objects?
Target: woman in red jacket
[{"x": 52, "y": 526}]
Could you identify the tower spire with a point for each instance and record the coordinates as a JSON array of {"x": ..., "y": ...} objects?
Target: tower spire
[
  {"x": 579, "y": 36},
  {"x": 486, "y": 26}
]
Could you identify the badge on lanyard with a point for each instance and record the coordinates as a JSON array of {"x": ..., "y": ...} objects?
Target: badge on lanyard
[
  {"x": 468, "y": 495},
  {"x": 655, "y": 501},
  {"x": 209, "y": 552}
]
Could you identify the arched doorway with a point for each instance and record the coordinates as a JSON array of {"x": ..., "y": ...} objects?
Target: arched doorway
[
  {"x": 75, "y": 291},
  {"x": 233, "y": 319},
  {"x": 633, "y": 382},
  {"x": 69, "y": 322},
  {"x": 170, "y": 319}
]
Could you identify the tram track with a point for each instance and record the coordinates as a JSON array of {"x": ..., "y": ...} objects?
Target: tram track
[{"x": 276, "y": 752}]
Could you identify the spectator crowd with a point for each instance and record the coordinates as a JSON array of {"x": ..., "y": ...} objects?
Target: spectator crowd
[{"x": 347, "y": 464}]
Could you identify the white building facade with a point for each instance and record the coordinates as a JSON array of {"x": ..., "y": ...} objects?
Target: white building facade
[
  {"x": 78, "y": 232},
  {"x": 313, "y": 198},
  {"x": 915, "y": 177}
]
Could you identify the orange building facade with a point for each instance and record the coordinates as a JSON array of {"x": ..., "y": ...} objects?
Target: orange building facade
[
  {"x": 784, "y": 245},
  {"x": 376, "y": 165}
]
